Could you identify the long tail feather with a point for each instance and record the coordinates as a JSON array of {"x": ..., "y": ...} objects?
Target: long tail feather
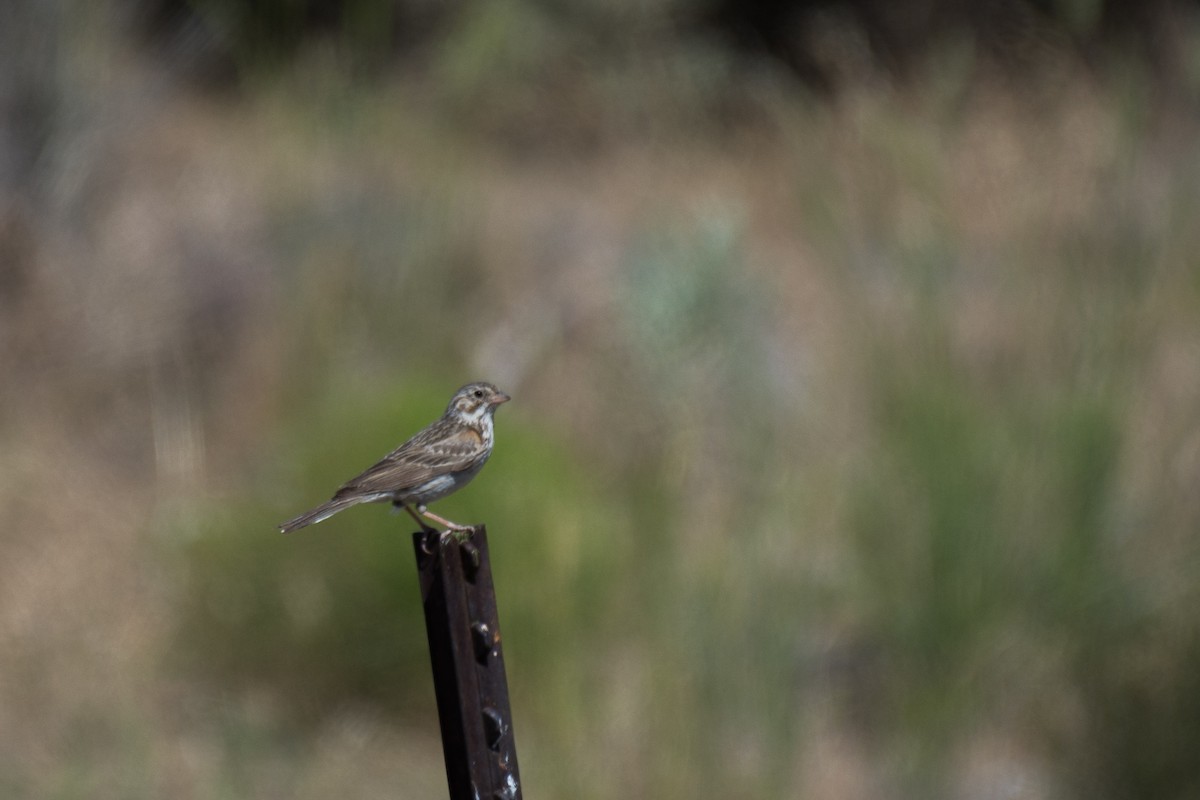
[{"x": 321, "y": 512}]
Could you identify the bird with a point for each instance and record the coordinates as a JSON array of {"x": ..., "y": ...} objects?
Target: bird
[{"x": 440, "y": 459}]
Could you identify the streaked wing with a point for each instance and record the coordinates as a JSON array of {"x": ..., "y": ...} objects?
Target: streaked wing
[{"x": 442, "y": 448}]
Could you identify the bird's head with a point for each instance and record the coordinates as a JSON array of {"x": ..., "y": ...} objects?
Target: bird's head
[{"x": 476, "y": 401}]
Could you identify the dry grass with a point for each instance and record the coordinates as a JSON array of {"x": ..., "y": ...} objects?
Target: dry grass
[{"x": 839, "y": 391}]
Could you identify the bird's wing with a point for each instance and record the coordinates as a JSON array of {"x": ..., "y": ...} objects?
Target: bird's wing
[{"x": 437, "y": 450}]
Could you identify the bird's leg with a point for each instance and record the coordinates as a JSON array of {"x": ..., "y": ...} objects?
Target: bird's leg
[
  {"x": 430, "y": 533},
  {"x": 424, "y": 528},
  {"x": 460, "y": 532}
]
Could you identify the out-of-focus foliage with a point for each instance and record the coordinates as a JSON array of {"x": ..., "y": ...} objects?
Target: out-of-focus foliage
[
  {"x": 334, "y": 617},
  {"x": 854, "y": 437},
  {"x": 823, "y": 43}
]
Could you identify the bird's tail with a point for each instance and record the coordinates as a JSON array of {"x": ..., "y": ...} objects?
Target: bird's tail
[{"x": 321, "y": 512}]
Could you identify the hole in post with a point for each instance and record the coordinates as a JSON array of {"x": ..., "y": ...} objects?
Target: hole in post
[
  {"x": 494, "y": 727},
  {"x": 471, "y": 560},
  {"x": 481, "y": 638}
]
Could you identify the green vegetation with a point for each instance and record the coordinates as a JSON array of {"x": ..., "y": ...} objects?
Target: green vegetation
[{"x": 853, "y": 448}]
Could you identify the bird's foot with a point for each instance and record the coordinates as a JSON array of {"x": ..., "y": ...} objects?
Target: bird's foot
[{"x": 459, "y": 535}]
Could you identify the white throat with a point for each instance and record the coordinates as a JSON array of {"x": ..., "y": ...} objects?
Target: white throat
[{"x": 485, "y": 428}]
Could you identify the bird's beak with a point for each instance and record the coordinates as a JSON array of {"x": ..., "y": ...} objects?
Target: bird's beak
[{"x": 500, "y": 398}]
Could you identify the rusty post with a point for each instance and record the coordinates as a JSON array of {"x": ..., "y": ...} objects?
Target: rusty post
[{"x": 468, "y": 667}]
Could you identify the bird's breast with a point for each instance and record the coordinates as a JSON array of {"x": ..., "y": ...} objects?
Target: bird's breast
[{"x": 442, "y": 485}]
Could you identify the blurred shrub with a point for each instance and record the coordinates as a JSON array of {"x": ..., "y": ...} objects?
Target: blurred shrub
[
  {"x": 983, "y": 515},
  {"x": 829, "y": 45},
  {"x": 321, "y": 617},
  {"x": 331, "y": 614},
  {"x": 264, "y": 36},
  {"x": 986, "y": 515},
  {"x": 694, "y": 319},
  {"x": 999, "y": 552}
]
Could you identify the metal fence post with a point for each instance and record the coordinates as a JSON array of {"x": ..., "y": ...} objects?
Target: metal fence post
[{"x": 468, "y": 667}]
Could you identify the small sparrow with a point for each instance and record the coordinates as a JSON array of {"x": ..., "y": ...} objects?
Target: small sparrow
[{"x": 439, "y": 460}]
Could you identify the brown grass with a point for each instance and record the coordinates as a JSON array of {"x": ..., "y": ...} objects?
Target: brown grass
[{"x": 194, "y": 271}]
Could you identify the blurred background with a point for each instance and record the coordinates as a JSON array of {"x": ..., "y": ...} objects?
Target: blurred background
[{"x": 855, "y": 356}]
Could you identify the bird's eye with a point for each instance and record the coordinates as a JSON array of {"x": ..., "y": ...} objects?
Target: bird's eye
[{"x": 479, "y": 392}]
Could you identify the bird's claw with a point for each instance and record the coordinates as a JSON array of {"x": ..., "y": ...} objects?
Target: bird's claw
[{"x": 457, "y": 535}]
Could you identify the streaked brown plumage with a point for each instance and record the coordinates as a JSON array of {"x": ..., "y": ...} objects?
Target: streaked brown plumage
[{"x": 438, "y": 460}]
